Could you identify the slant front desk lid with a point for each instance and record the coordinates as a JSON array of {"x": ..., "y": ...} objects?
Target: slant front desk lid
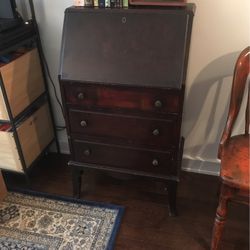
[{"x": 140, "y": 47}]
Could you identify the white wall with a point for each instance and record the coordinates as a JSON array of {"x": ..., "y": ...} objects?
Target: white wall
[
  {"x": 50, "y": 15},
  {"x": 221, "y": 30}
]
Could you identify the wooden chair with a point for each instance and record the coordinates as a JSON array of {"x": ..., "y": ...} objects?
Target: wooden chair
[{"x": 234, "y": 151}]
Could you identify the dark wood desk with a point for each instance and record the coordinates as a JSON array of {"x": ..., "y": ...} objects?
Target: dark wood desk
[{"x": 122, "y": 79}]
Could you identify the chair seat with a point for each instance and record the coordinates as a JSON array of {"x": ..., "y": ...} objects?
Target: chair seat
[{"x": 235, "y": 162}]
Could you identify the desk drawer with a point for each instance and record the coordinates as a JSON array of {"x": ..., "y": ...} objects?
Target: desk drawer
[
  {"x": 23, "y": 82},
  {"x": 129, "y": 129},
  {"x": 34, "y": 133},
  {"x": 149, "y": 161},
  {"x": 115, "y": 98}
]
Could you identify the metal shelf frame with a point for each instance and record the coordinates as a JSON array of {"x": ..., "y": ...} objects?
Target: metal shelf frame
[{"x": 32, "y": 41}]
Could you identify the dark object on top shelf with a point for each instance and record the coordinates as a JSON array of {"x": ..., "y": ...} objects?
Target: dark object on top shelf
[
  {"x": 15, "y": 36},
  {"x": 8, "y": 23},
  {"x": 178, "y": 3},
  {"x": 8, "y": 9},
  {"x": 9, "y": 17}
]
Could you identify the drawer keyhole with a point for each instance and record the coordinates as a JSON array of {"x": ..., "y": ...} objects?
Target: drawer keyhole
[
  {"x": 80, "y": 96},
  {"x": 158, "y": 104},
  {"x": 86, "y": 152},
  {"x": 155, "y": 163},
  {"x": 124, "y": 19},
  {"x": 156, "y": 132},
  {"x": 83, "y": 124}
]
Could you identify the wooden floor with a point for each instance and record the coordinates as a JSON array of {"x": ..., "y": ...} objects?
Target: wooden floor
[{"x": 146, "y": 224}]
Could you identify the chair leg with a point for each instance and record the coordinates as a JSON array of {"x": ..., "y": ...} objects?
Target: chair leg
[{"x": 221, "y": 213}]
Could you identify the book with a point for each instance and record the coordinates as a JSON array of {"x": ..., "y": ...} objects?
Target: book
[
  {"x": 107, "y": 3},
  {"x": 125, "y": 3},
  {"x": 119, "y": 3},
  {"x": 116, "y": 3},
  {"x": 89, "y": 3},
  {"x": 101, "y": 3},
  {"x": 78, "y": 2},
  {"x": 112, "y": 3}
]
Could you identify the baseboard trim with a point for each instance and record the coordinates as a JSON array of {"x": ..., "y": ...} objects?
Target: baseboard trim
[
  {"x": 64, "y": 147},
  {"x": 201, "y": 166}
]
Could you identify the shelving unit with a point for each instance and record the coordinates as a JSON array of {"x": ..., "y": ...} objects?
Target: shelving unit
[{"x": 27, "y": 127}]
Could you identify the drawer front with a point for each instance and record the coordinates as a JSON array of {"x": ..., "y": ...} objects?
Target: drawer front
[
  {"x": 154, "y": 162},
  {"x": 132, "y": 99},
  {"x": 23, "y": 82},
  {"x": 129, "y": 129}
]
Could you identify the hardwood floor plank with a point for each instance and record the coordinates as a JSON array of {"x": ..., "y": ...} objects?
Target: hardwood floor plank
[{"x": 146, "y": 224}]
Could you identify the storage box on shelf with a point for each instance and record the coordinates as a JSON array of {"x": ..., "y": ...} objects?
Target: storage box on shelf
[
  {"x": 35, "y": 132},
  {"x": 23, "y": 82},
  {"x": 26, "y": 126}
]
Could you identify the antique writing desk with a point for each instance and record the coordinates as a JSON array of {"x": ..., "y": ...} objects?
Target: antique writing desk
[{"x": 122, "y": 78}]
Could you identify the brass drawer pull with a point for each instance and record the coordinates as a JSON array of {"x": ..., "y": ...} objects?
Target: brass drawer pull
[
  {"x": 86, "y": 152},
  {"x": 83, "y": 124},
  {"x": 80, "y": 96},
  {"x": 156, "y": 132},
  {"x": 155, "y": 163},
  {"x": 158, "y": 104}
]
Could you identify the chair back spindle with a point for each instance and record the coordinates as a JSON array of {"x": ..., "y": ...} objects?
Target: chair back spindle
[{"x": 247, "y": 112}]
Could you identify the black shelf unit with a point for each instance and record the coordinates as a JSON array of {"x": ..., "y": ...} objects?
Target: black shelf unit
[{"x": 30, "y": 40}]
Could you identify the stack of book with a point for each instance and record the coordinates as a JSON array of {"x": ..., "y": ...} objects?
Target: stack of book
[
  {"x": 102, "y": 3},
  {"x": 112, "y": 3}
]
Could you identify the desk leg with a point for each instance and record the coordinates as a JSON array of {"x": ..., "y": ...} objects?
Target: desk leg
[
  {"x": 76, "y": 181},
  {"x": 172, "y": 192}
]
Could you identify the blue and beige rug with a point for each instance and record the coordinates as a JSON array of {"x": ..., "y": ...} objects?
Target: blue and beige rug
[{"x": 38, "y": 222}]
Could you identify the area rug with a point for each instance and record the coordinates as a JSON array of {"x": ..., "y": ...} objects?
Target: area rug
[{"x": 41, "y": 222}]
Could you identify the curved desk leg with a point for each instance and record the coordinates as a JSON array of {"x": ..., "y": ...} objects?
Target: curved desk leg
[
  {"x": 77, "y": 181},
  {"x": 172, "y": 192},
  {"x": 173, "y": 185}
]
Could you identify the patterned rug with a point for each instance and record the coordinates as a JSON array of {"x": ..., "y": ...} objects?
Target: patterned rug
[{"x": 42, "y": 222}]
